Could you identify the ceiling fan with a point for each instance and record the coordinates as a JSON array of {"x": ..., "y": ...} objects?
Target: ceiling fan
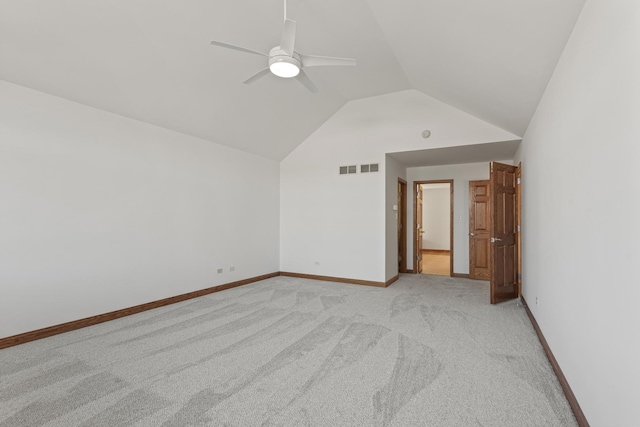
[{"x": 284, "y": 61}]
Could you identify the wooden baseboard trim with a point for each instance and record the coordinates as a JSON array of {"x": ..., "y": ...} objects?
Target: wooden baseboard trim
[
  {"x": 460, "y": 275},
  {"x": 339, "y": 279},
  {"x": 437, "y": 251},
  {"x": 105, "y": 317},
  {"x": 392, "y": 280},
  {"x": 571, "y": 398}
]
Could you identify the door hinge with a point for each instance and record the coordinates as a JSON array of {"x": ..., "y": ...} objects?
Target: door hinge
[
  {"x": 518, "y": 181},
  {"x": 519, "y": 276},
  {"x": 517, "y": 228}
]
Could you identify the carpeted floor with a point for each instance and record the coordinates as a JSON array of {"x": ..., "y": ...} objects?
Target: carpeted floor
[{"x": 427, "y": 351}]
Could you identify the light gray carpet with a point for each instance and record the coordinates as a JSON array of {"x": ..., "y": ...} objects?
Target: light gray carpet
[{"x": 427, "y": 351}]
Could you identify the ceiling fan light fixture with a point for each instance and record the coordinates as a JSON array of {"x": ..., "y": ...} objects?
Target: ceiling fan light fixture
[
  {"x": 284, "y": 69},
  {"x": 284, "y": 61}
]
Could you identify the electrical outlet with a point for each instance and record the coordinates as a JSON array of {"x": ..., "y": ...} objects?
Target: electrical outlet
[
  {"x": 232, "y": 268},
  {"x": 536, "y": 300},
  {"x": 220, "y": 270}
]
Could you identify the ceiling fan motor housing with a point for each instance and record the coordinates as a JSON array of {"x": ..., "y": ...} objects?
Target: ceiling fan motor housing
[{"x": 277, "y": 55}]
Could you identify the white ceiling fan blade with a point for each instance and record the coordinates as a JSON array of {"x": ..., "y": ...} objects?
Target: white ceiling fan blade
[
  {"x": 321, "y": 61},
  {"x": 241, "y": 49},
  {"x": 304, "y": 79},
  {"x": 288, "y": 41},
  {"x": 256, "y": 76}
]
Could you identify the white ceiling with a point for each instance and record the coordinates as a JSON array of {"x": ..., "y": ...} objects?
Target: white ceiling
[
  {"x": 503, "y": 150},
  {"x": 152, "y": 61}
]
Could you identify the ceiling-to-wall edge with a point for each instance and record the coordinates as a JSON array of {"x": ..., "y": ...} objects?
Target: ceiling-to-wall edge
[
  {"x": 394, "y": 122},
  {"x": 141, "y": 122}
]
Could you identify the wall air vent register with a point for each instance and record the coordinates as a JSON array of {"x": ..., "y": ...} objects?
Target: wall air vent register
[{"x": 347, "y": 170}]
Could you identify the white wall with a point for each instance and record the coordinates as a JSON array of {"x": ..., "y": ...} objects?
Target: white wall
[
  {"x": 436, "y": 219},
  {"x": 581, "y": 234},
  {"x": 394, "y": 170},
  {"x": 461, "y": 175},
  {"x": 339, "y": 221},
  {"x": 99, "y": 212}
]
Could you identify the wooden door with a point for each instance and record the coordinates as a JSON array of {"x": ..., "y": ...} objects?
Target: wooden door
[
  {"x": 479, "y": 230},
  {"x": 503, "y": 246},
  {"x": 419, "y": 231},
  {"x": 519, "y": 226}
]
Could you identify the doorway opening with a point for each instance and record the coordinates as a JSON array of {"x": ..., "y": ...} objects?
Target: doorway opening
[
  {"x": 401, "y": 215},
  {"x": 433, "y": 233}
]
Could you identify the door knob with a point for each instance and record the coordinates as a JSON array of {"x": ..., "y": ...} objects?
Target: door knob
[
  {"x": 495, "y": 239},
  {"x": 471, "y": 234}
]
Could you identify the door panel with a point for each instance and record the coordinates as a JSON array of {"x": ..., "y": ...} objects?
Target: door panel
[
  {"x": 419, "y": 231},
  {"x": 479, "y": 229},
  {"x": 503, "y": 233},
  {"x": 518, "y": 227}
]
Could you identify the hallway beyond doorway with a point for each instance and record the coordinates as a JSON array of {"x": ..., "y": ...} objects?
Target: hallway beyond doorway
[{"x": 436, "y": 262}]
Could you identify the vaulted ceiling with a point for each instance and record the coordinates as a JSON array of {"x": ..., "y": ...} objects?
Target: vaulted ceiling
[{"x": 151, "y": 60}]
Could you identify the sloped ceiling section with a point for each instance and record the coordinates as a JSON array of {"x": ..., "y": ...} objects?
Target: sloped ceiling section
[
  {"x": 152, "y": 61},
  {"x": 492, "y": 58}
]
